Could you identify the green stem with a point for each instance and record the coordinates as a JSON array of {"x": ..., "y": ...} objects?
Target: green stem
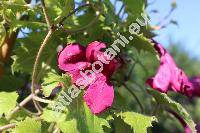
[
  {"x": 84, "y": 27},
  {"x": 72, "y": 12},
  {"x": 134, "y": 95},
  {"x": 51, "y": 127}
]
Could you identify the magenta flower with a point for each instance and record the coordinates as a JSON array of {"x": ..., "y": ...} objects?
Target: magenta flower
[
  {"x": 195, "y": 90},
  {"x": 79, "y": 63},
  {"x": 169, "y": 76}
]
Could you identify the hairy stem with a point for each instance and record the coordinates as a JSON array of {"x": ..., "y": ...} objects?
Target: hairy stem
[
  {"x": 37, "y": 61},
  {"x": 39, "y": 54},
  {"x": 7, "y": 126},
  {"x": 46, "y": 14}
]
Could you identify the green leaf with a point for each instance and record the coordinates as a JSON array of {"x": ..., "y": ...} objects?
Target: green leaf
[
  {"x": 138, "y": 122},
  {"x": 3, "y": 121},
  {"x": 20, "y": 115},
  {"x": 142, "y": 43},
  {"x": 26, "y": 52},
  {"x": 94, "y": 123},
  {"x": 15, "y": 10},
  {"x": 9, "y": 83},
  {"x": 110, "y": 17},
  {"x": 59, "y": 8},
  {"x": 164, "y": 100},
  {"x": 27, "y": 24},
  {"x": 52, "y": 80},
  {"x": 79, "y": 117},
  {"x": 49, "y": 116},
  {"x": 68, "y": 126},
  {"x": 134, "y": 8},
  {"x": 28, "y": 125},
  {"x": 67, "y": 6},
  {"x": 8, "y": 101},
  {"x": 120, "y": 126}
]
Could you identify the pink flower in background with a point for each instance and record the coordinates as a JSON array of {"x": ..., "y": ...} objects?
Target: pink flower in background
[
  {"x": 195, "y": 90},
  {"x": 76, "y": 58},
  {"x": 169, "y": 76}
]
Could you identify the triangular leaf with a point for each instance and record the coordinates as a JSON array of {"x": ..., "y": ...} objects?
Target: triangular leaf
[{"x": 137, "y": 121}]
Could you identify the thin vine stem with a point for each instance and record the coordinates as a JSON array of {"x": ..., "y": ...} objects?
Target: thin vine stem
[
  {"x": 84, "y": 27},
  {"x": 134, "y": 95},
  {"x": 72, "y": 12},
  {"x": 21, "y": 104},
  {"x": 35, "y": 67},
  {"x": 166, "y": 17},
  {"x": 98, "y": 13},
  {"x": 12, "y": 125},
  {"x": 122, "y": 7},
  {"x": 46, "y": 14},
  {"x": 41, "y": 99},
  {"x": 37, "y": 60},
  {"x": 45, "y": 68}
]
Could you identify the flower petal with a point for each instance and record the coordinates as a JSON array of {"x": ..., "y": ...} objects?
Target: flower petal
[
  {"x": 99, "y": 95},
  {"x": 179, "y": 80},
  {"x": 162, "y": 79},
  {"x": 159, "y": 49},
  {"x": 169, "y": 76},
  {"x": 93, "y": 50},
  {"x": 71, "y": 54},
  {"x": 77, "y": 77}
]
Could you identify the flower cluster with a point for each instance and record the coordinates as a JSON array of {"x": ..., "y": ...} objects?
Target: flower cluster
[
  {"x": 85, "y": 67},
  {"x": 170, "y": 77}
]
